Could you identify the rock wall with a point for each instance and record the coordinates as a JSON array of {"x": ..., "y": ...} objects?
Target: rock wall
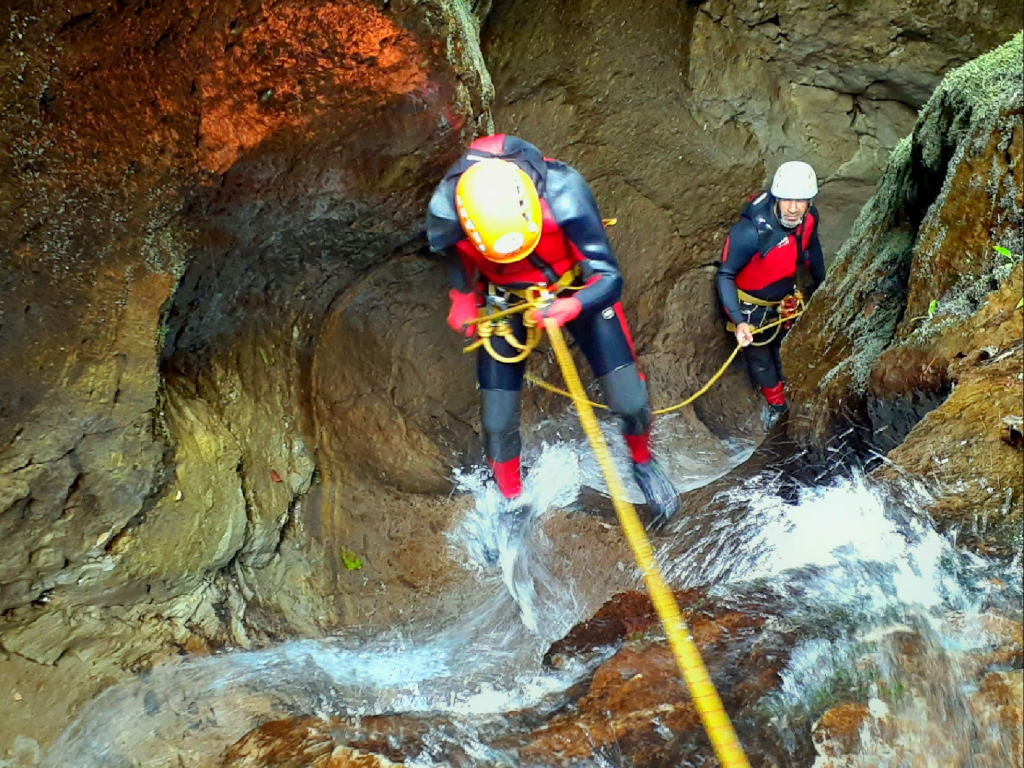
[
  {"x": 836, "y": 86},
  {"x": 676, "y": 112},
  {"x": 185, "y": 187},
  {"x": 222, "y": 352},
  {"x": 917, "y": 336}
]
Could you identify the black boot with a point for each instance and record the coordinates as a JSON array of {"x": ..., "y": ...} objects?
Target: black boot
[{"x": 661, "y": 495}]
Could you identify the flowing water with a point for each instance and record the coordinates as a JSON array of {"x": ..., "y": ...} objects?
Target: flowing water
[{"x": 846, "y": 563}]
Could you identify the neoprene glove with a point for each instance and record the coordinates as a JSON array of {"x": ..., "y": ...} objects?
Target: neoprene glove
[
  {"x": 561, "y": 311},
  {"x": 463, "y": 310}
]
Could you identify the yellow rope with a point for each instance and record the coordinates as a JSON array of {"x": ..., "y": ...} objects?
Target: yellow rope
[
  {"x": 705, "y": 697},
  {"x": 718, "y": 374}
]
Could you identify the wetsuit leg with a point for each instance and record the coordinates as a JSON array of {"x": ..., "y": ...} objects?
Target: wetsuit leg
[
  {"x": 501, "y": 414},
  {"x": 776, "y": 348},
  {"x": 626, "y": 393},
  {"x": 500, "y": 385},
  {"x": 764, "y": 373},
  {"x": 761, "y": 365},
  {"x": 606, "y": 342},
  {"x": 604, "y": 338}
]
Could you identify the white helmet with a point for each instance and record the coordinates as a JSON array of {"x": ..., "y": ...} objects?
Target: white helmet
[{"x": 794, "y": 181}]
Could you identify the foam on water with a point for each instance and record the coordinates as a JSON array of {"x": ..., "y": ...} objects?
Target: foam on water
[
  {"x": 851, "y": 547},
  {"x": 511, "y": 534}
]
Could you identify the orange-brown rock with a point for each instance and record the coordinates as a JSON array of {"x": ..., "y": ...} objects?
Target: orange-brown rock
[
  {"x": 999, "y": 709},
  {"x": 637, "y": 703},
  {"x": 305, "y": 743}
]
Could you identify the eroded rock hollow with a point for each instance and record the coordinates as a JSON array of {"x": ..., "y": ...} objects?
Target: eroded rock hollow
[{"x": 224, "y": 366}]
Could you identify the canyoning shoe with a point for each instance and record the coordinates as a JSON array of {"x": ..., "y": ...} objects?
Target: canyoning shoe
[
  {"x": 515, "y": 516},
  {"x": 509, "y": 529},
  {"x": 661, "y": 495},
  {"x": 771, "y": 414}
]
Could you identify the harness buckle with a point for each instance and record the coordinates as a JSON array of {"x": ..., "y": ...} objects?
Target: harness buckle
[
  {"x": 539, "y": 295},
  {"x": 500, "y": 301}
]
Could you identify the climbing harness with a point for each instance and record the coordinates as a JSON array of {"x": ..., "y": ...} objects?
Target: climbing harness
[
  {"x": 501, "y": 303},
  {"x": 789, "y": 309},
  {"x": 702, "y": 690}
]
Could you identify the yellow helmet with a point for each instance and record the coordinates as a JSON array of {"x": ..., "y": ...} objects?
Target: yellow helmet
[{"x": 499, "y": 209}]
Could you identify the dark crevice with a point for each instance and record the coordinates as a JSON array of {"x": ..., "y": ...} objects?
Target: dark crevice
[{"x": 77, "y": 21}]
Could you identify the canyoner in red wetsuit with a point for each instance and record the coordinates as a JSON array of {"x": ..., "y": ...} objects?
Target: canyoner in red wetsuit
[
  {"x": 777, "y": 232},
  {"x": 507, "y": 218}
]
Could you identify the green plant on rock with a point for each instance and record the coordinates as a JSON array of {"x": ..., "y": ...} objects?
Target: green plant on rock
[
  {"x": 933, "y": 305},
  {"x": 351, "y": 560},
  {"x": 1008, "y": 255},
  {"x": 1012, "y": 259}
]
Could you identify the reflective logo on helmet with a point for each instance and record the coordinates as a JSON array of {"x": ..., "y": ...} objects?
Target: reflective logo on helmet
[{"x": 509, "y": 243}]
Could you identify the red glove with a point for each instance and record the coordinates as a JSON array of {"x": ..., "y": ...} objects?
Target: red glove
[
  {"x": 561, "y": 311},
  {"x": 463, "y": 310}
]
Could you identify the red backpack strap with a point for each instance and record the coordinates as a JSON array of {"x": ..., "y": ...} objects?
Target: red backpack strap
[{"x": 492, "y": 145}]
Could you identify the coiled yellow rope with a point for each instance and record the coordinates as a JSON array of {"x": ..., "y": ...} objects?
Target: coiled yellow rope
[{"x": 705, "y": 697}]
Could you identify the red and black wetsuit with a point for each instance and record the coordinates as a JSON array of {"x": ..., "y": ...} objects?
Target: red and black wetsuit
[
  {"x": 572, "y": 235},
  {"x": 761, "y": 258}
]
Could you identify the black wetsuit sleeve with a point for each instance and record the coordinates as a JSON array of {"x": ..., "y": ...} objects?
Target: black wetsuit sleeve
[
  {"x": 461, "y": 277},
  {"x": 740, "y": 248},
  {"x": 443, "y": 227},
  {"x": 575, "y": 209},
  {"x": 814, "y": 258},
  {"x": 444, "y": 231}
]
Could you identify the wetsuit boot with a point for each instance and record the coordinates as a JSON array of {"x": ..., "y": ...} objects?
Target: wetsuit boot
[
  {"x": 775, "y": 397},
  {"x": 514, "y": 512},
  {"x": 662, "y": 497}
]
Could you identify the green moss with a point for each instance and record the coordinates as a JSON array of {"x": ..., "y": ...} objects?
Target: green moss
[
  {"x": 873, "y": 267},
  {"x": 463, "y": 18},
  {"x": 991, "y": 82},
  {"x": 971, "y": 99}
]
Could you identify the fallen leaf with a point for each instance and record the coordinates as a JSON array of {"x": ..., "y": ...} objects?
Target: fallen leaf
[{"x": 275, "y": 476}]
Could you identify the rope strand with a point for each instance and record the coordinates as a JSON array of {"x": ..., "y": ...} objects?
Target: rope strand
[{"x": 702, "y": 690}]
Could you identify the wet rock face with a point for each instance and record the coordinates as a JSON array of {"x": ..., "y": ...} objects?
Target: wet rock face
[
  {"x": 184, "y": 190},
  {"x": 891, "y": 701},
  {"x": 637, "y": 705},
  {"x": 677, "y": 112},
  {"x": 303, "y": 744},
  {"x": 634, "y": 706},
  {"x": 902, "y": 726},
  {"x": 921, "y": 305}
]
